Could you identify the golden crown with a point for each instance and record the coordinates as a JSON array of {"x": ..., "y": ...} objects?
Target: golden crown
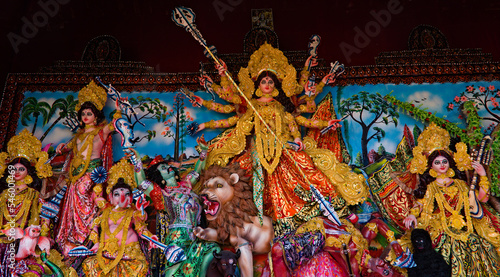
[
  {"x": 268, "y": 58},
  {"x": 122, "y": 169},
  {"x": 92, "y": 93},
  {"x": 436, "y": 138},
  {"x": 27, "y": 146}
]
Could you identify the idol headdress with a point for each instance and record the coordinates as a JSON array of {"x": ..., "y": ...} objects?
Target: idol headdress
[
  {"x": 436, "y": 138},
  {"x": 273, "y": 60},
  {"x": 27, "y": 146}
]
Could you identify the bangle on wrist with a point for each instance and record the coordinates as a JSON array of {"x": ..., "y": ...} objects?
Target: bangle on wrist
[{"x": 145, "y": 185}]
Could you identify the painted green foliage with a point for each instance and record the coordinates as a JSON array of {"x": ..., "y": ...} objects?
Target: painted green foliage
[
  {"x": 368, "y": 110},
  {"x": 150, "y": 108},
  {"x": 33, "y": 108},
  {"x": 176, "y": 124},
  {"x": 66, "y": 107}
]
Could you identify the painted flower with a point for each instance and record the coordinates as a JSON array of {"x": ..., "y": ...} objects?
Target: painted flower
[
  {"x": 492, "y": 99},
  {"x": 457, "y": 99},
  {"x": 192, "y": 128},
  {"x": 460, "y": 116},
  {"x": 165, "y": 123},
  {"x": 470, "y": 88},
  {"x": 463, "y": 98},
  {"x": 491, "y": 87},
  {"x": 176, "y": 235},
  {"x": 163, "y": 133},
  {"x": 451, "y": 106},
  {"x": 482, "y": 89},
  {"x": 167, "y": 128},
  {"x": 494, "y": 104},
  {"x": 498, "y": 93},
  {"x": 187, "y": 269},
  {"x": 99, "y": 175}
]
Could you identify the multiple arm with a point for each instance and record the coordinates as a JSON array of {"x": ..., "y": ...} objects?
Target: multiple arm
[
  {"x": 317, "y": 123},
  {"x": 311, "y": 89},
  {"x": 211, "y": 105},
  {"x": 226, "y": 90}
]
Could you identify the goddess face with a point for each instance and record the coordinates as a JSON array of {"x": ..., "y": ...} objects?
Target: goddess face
[
  {"x": 440, "y": 165},
  {"x": 88, "y": 117},
  {"x": 21, "y": 172},
  {"x": 121, "y": 197},
  {"x": 266, "y": 85}
]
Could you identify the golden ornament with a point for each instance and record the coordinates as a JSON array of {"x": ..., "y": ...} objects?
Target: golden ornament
[
  {"x": 27, "y": 146},
  {"x": 268, "y": 58},
  {"x": 457, "y": 221},
  {"x": 436, "y": 138},
  {"x": 92, "y": 93},
  {"x": 122, "y": 169}
]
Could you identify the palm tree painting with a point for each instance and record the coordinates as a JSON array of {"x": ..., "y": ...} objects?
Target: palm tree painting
[
  {"x": 33, "y": 108},
  {"x": 66, "y": 107}
]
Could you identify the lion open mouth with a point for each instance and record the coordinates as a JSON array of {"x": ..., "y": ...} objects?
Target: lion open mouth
[{"x": 211, "y": 206}]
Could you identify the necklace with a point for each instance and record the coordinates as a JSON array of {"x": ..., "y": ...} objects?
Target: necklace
[
  {"x": 20, "y": 186},
  {"x": 79, "y": 159},
  {"x": 117, "y": 214},
  {"x": 447, "y": 188},
  {"x": 267, "y": 146},
  {"x": 455, "y": 220},
  {"x": 111, "y": 244},
  {"x": 22, "y": 203},
  {"x": 444, "y": 182}
]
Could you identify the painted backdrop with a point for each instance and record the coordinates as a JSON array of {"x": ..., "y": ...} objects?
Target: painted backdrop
[{"x": 45, "y": 113}]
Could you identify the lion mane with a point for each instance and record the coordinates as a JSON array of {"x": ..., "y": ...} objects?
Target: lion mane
[{"x": 239, "y": 209}]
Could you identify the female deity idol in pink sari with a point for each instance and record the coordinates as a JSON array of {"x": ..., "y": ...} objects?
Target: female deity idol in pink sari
[{"x": 90, "y": 148}]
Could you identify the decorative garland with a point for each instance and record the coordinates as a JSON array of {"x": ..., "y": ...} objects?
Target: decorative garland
[
  {"x": 471, "y": 136},
  {"x": 495, "y": 164}
]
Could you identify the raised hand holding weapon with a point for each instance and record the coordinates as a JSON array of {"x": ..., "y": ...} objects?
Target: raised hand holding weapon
[
  {"x": 184, "y": 17},
  {"x": 125, "y": 105},
  {"x": 206, "y": 82},
  {"x": 313, "y": 49},
  {"x": 335, "y": 71}
]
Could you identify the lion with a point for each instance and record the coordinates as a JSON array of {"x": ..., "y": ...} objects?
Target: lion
[{"x": 232, "y": 215}]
